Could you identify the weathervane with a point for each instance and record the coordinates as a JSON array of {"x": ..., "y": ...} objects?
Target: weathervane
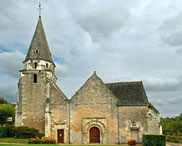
[{"x": 39, "y": 9}]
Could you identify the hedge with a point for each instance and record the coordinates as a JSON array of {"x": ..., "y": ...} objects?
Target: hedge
[
  {"x": 6, "y": 131},
  {"x": 26, "y": 132},
  {"x": 154, "y": 140}
]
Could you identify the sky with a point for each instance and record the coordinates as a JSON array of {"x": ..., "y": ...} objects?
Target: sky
[{"x": 122, "y": 40}]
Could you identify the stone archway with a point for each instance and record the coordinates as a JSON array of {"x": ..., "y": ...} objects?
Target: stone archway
[
  {"x": 94, "y": 135},
  {"x": 100, "y": 129}
]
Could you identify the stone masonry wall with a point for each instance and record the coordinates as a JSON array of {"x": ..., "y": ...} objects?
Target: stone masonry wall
[
  {"x": 59, "y": 112},
  {"x": 132, "y": 118},
  {"x": 93, "y": 101},
  {"x": 33, "y": 100},
  {"x": 153, "y": 122}
]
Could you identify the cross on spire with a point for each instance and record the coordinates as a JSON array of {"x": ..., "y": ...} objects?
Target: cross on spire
[{"x": 39, "y": 9}]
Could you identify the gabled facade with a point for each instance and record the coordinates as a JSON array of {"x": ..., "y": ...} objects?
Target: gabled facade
[{"x": 98, "y": 113}]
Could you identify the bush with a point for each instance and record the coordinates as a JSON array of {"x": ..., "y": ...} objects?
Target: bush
[
  {"x": 6, "y": 123},
  {"x": 11, "y": 132},
  {"x": 26, "y": 132},
  {"x": 42, "y": 141},
  {"x": 7, "y": 110},
  {"x": 6, "y": 131},
  {"x": 175, "y": 139},
  {"x": 3, "y": 132},
  {"x": 154, "y": 140}
]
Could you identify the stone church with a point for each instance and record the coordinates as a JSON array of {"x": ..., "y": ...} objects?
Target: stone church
[{"x": 105, "y": 113}]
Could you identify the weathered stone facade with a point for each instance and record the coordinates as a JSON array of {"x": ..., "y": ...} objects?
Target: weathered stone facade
[{"x": 97, "y": 113}]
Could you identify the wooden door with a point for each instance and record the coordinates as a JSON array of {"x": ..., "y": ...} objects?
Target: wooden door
[
  {"x": 94, "y": 135},
  {"x": 61, "y": 136}
]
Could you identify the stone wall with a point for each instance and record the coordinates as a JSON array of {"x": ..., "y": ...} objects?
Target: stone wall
[
  {"x": 32, "y": 100},
  {"x": 59, "y": 112},
  {"x": 153, "y": 122},
  {"x": 132, "y": 122},
  {"x": 92, "y": 106}
]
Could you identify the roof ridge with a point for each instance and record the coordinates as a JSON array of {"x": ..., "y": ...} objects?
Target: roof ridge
[{"x": 124, "y": 82}]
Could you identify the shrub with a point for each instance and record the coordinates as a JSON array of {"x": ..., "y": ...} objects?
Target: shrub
[
  {"x": 175, "y": 139},
  {"x": 6, "y": 131},
  {"x": 42, "y": 141},
  {"x": 7, "y": 110},
  {"x": 11, "y": 132},
  {"x": 26, "y": 132},
  {"x": 154, "y": 140},
  {"x": 3, "y": 132}
]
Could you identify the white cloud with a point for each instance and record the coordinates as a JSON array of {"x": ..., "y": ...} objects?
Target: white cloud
[
  {"x": 105, "y": 22},
  {"x": 61, "y": 70},
  {"x": 11, "y": 62}
]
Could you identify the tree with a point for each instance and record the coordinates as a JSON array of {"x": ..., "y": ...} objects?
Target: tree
[
  {"x": 3, "y": 101},
  {"x": 172, "y": 126},
  {"x": 6, "y": 111}
]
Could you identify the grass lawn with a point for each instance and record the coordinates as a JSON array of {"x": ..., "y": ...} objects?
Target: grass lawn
[
  {"x": 13, "y": 140},
  {"x": 23, "y": 142},
  {"x": 53, "y": 145},
  {"x": 29, "y": 144}
]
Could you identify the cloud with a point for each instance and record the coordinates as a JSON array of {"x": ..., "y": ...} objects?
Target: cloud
[
  {"x": 8, "y": 90},
  {"x": 118, "y": 39},
  {"x": 105, "y": 22},
  {"x": 11, "y": 63},
  {"x": 61, "y": 70},
  {"x": 171, "y": 30},
  {"x": 158, "y": 84}
]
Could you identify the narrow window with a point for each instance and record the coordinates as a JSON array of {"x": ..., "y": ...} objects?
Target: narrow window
[
  {"x": 35, "y": 78},
  {"x": 35, "y": 65},
  {"x": 46, "y": 65},
  {"x": 36, "y": 51}
]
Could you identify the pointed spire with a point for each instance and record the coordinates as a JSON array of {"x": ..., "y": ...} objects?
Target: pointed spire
[{"x": 39, "y": 48}]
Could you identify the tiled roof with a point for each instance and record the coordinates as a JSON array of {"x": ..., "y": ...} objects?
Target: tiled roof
[
  {"x": 129, "y": 93},
  {"x": 39, "y": 48}
]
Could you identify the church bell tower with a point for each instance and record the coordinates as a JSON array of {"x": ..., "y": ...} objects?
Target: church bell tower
[{"x": 34, "y": 83}]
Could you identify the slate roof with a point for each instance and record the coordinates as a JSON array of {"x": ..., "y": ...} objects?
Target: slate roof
[
  {"x": 39, "y": 48},
  {"x": 129, "y": 93}
]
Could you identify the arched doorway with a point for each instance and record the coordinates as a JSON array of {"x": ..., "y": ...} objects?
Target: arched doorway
[{"x": 94, "y": 135}]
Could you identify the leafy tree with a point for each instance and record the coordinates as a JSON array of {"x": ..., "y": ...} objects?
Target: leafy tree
[
  {"x": 3, "y": 101},
  {"x": 6, "y": 111},
  {"x": 172, "y": 126}
]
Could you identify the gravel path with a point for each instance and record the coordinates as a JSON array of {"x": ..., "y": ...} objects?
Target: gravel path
[{"x": 173, "y": 144}]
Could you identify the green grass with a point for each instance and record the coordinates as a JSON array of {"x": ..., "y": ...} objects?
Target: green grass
[
  {"x": 23, "y": 142},
  {"x": 52, "y": 145},
  {"x": 29, "y": 144},
  {"x": 13, "y": 140}
]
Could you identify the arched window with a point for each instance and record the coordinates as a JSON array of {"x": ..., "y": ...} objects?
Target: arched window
[{"x": 35, "y": 78}]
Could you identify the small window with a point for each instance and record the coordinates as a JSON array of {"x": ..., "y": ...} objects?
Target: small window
[
  {"x": 47, "y": 65},
  {"x": 36, "y": 51},
  {"x": 35, "y": 65},
  {"x": 35, "y": 78}
]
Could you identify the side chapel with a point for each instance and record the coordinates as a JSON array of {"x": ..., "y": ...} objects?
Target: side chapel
[{"x": 105, "y": 113}]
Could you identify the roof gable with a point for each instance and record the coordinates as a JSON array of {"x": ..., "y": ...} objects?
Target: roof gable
[{"x": 94, "y": 91}]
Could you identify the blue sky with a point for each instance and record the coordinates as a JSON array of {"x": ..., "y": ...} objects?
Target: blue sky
[{"x": 122, "y": 40}]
